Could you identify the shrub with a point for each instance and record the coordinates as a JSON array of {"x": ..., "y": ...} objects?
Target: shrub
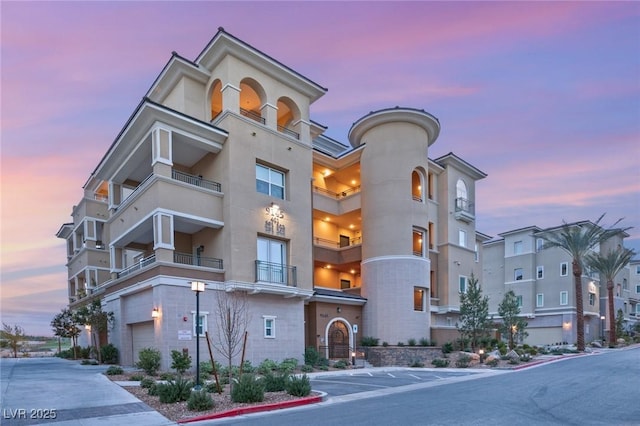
[
  {"x": 514, "y": 361},
  {"x": 493, "y": 362},
  {"x": 167, "y": 376},
  {"x": 385, "y": 344},
  {"x": 147, "y": 382},
  {"x": 109, "y": 354},
  {"x": 311, "y": 356},
  {"x": 306, "y": 368},
  {"x": 275, "y": 382},
  {"x": 369, "y": 341},
  {"x": 424, "y": 342},
  {"x": 288, "y": 365},
  {"x": 323, "y": 367},
  {"x": 114, "y": 370},
  {"x": 181, "y": 361},
  {"x": 416, "y": 364},
  {"x": 86, "y": 361},
  {"x": 136, "y": 377},
  {"x": 525, "y": 357},
  {"x": 247, "y": 367},
  {"x": 200, "y": 401},
  {"x": 447, "y": 348},
  {"x": 400, "y": 344},
  {"x": 298, "y": 386},
  {"x": 440, "y": 363},
  {"x": 84, "y": 353},
  {"x": 149, "y": 361},
  {"x": 268, "y": 366},
  {"x": 153, "y": 389},
  {"x": 211, "y": 387},
  {"x": 463, "y": 361},
  {"x": 411, "y": 342},
  {"x": 174, "y": 391},
  {"x": 341, "y": 364},
  {"x": 248, "y": 389}
]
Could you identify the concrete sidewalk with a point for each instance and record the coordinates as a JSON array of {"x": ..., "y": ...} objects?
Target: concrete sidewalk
[{"x": 51, "y": 390}]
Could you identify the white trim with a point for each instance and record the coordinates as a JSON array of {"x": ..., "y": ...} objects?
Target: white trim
[
  {"x": 395, "y": 257},
  {"x": 266, "y": 318}
]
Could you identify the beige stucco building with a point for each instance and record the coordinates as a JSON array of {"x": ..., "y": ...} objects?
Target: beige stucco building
[{"x": 221, "y": 176}]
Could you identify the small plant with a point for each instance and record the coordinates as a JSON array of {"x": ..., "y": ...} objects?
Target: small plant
[
  {"x": 369, "y": 341},
  {"x": 247, "y": 367},
  {"x": 136, "y": 377},
  {"x": 424, "y": 342},
  {"x": 200, "y": 401},
  {"x": 493, "y": 362},
  {"x": 275, "y": 382},
  {"x": 416, "y": 364},
  {"x": 440, "y": 363},
  {"x": 306, "y": 368},
  {"x": 463, "y": 361},
  {"x": 288, "y": 365},
  {"x": 385, "y": 344},
  {"x": 114, "y": 370},
  {"x": 340, "y": 364},
  {"x": 514, "y": 360},
  {"x": 411, "y": 342},
  {"x": 149, "y": 361},
  {"x": 248, "y": 389},
  {"x": 109, "y": 354},
  {"x": 447, "y": 348},
  {"x": 525, "y": 357},
  {"x": 298, "y": 386},
  {"x": 401, "y": 344},
  {"x": 167, "y": 376},
  {"x": 89, "y": 362},
  {"x": 323, "y": 367},
  {"x": 268, "y": 366},
  {"x": 181, "y": 361},
  {"x": 311, "y": 356},
  {"x": 174, "y": 391},
  {"x": 153, "y": 389},
  {"x": 147, "y": 382}
]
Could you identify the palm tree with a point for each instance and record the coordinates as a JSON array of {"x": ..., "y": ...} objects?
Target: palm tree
[
  {"x": 578, "y": 239},
  {"x": 609, "y": 265}
]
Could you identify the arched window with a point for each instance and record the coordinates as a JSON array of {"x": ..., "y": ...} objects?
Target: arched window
[
  {"x": 216, "y": 99},
  {"x": 288, "y": 113},
  {"x": 462, "y": 200},
  {"x": 417, "y": 186},
  {"x": 251, "y": 100}
]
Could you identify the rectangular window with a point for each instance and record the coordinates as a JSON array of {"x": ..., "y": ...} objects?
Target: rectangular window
[
  {"x": 345, "y": 284},
  {"x": 540, "y": 272},
  {"x": 271, "y": 265},
  {"x": 539, "y": 244},
  {"x": 539, "y": 300},
  {"x": 519, "y": 300},
  {"x": 637, "y": 269},
  {"x": 637, "y": 309},
  {"x": 564, "y": 269},
  {"x": 418, "y": 243},
  {"x": 625, "y": 284},
  {"x": 269, "y": 181},
  {"x": 431, "y": 236},
  {"x": 199, "y": 327},
  {"x": 462, "y": 284},
  {"x": 564, "y": 298},
  {"x": 517, "y": 247},
  {"x": 269, "y": 327},
  {"x": 518, "y": 274},
  {"x": 476, "y": 254},
  {"x": 419, "y": 299},
  {"x": 592, "y": 299},
  {"x": 638, "y": 289},
  {"x": 462, "y": 238}
]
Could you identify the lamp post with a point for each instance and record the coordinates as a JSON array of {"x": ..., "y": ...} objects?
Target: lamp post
[
  {"x": 197, "y": 287},
  {"x": 602, "y": 318}
]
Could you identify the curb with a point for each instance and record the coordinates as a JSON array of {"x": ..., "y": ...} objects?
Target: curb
[{"x": 258, "y": 408}]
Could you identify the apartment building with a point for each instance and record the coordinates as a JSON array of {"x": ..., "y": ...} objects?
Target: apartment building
[
  {"x": 221, "y": 177},
  {"x": 543, "y": 282}
]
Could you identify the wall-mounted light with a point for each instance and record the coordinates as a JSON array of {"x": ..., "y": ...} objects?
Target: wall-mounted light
[
  {"x": 155, "y": 313},
  {"x": 338, "y": 309}
]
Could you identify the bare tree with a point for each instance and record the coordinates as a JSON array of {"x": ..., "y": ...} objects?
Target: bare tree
[
  {"x": 232, "y": 319},
  {"x": 14, "y": 335}
]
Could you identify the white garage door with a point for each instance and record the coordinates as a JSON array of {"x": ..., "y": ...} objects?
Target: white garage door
[
  {"x": 143, "y": 336},
  {"x": 544, "y": 335}
]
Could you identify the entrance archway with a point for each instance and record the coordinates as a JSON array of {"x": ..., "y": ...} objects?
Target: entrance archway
[{"x": 339, "y": 339}]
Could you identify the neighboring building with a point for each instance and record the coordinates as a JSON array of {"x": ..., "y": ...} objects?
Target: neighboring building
[
  {"x": 542, "y": 279},
  {"x": 631, "y": 293},
  {"x": 221, "y": 176}
]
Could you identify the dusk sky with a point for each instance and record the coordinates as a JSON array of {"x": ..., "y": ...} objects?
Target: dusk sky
[{"x": 543, "y": 97}]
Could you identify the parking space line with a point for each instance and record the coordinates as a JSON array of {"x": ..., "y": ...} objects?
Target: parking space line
[
  {"x": 415, "y": 377},
  {"x": 391, "y": 375}
]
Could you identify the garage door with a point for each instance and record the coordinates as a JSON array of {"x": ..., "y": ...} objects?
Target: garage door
[
  {"x": 544, "y": 335},
  {"x": 143, "y": 336}
]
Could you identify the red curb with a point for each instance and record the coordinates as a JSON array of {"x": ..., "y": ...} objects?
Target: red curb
[{"x": 256, "y": 409}]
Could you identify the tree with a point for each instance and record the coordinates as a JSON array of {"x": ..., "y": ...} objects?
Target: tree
[
  {"x": 619, "y": 323},
  {"x": 65, "y": 324},
  {"x": 232, "y": 320},
  {"x": 577, "y": 240},
  {"x": 474, "y": 314},
  {"x": 609, "y": 265},
  {"x": 99, "y": 321},
  {"x": 13, "y": 335},
  {"x": 513, "y": 326}
]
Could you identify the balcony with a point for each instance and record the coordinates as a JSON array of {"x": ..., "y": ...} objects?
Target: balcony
[
  {"x": 465, "y": 210},
  {"x": 195, "y": 181},
  {"x": 288, "y": 132},
  {"x": 189, "y": 259},
  {"x": 143, "y": 262},
  {"x": 276, "y": 273},
  {"x": 252, "y": 115},
  {"x": 337, "y": 195}
]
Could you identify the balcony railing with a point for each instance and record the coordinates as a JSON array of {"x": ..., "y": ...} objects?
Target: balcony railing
[
  {"x": 288, "y": 131},
  {"x": 252, "y": 115},
  {"x": 336, "y": 244},
  {"x": 276, "y": 273},
  {"x": 189, "y": 259},
  {"x": 145, "y": 261},
  {"x": 337, "y": 195},
  {"x": 463, "y": 205},
  {"x": 195, "y": 180}
]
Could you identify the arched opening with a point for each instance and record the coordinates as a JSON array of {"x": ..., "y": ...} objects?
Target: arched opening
[
  {"x": 251, "y": 100},
  {"x": 338, "y": 340},
  {"x": 417, "y": 186},
  {"x": 288, "y": 113},
  {"x": 216, "y": 99},
  {"x": 462, "y": 199}
]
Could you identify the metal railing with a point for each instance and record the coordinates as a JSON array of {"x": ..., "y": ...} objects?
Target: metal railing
[
  {"x": 276, "y": 273},
  {"x": 336, "y": 244},
  {"x": 288, "y": 131},
  {"x": 337, "y": 195},
  {"x": 145, "y": 261},
  {"x": 195, "y": 180},
  {"x": 189, "y": 259},
  {"x": 463, "y": 205},
  {"x": 252, "y": 115}
]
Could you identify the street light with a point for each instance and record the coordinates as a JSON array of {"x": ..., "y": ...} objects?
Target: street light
[
  {"x": 197, "y": 287},
  {"x": 602, "y": 318}
]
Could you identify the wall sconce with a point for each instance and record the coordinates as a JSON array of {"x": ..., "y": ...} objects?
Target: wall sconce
[
  {"x": 87, "y": 327},
  {"x": 338, "y": 309},
  {"x": 155, "y": 313},
  {"x": 274, "y": 211}
]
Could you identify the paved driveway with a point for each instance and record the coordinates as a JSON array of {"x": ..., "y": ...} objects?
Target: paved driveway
[{"x": 65, "y": 393}]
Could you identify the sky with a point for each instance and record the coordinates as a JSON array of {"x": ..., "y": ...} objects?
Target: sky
[{"x": 544, "y": 97}]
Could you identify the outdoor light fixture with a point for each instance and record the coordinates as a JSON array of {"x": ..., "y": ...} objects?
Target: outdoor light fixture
[
  {"x": 197, "y": 287},
  {"x": 155, "y": 313}
]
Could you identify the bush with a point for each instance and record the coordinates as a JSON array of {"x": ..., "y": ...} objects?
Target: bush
[
  {"x": 275, "y": 382},
  {"x": 153, "y": 389},
  {"x": 181, "y": 361},
  {"x": 147, "y": 382},
  {"x": 288, "y": 365},
  {"x": 268, "y": 366},
  {"x": 463, "y": 361},
  {"x": 447, "y": 348},
  {"x": 109, "y": 354},
  {"x": 200, "y": 401},
  {"x": 167, "y": 376},
  {"x": 84, "y": 361},
  {"x": 440, "y": 363},
  {"x": 149, "y": 361},
  {"x": 385, "y": 344},
  {"x": 401, "y": 344},
  {"x": 311, "y": 356},
  {"x": 493, "y": 362},
  {"x": 298, "y": 386},
  {"x": 411, "y": 342},
  {"x": 136, "y": 377},
  {"x": 306, "y": 368},
  {"x": 424, "y": 342},
  {"x": 416, "y": 364},
  {"x": 369, "y": 341},
  {"x": 341, "y": 364},
  {"x": 247, "y": 367},
  {"x": 514, "y": 361},
  {"x": 174, "y": 391},
  {"x": 114, "y": 370},
  {"x": 248, "y": 389}
]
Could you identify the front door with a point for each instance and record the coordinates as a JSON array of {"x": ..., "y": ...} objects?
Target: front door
[{"x": 338, "y": 341}]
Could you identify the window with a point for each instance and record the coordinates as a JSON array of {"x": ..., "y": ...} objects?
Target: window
[
  {"x": 431, "y": 234},
  {"x": 418, "y": 242},
  {"x": 539, "y": 300},
  {"x": 462, "y": 284},
  {"x": 564, "y": 298},
  {"x": 625, "y": 284},
  {"x": 430, "y": 180},
  {"x": 417, "y": 187},
  {"x": 345, "y": 284},
  {"x": 462, "y": 238},
  {"x": 518, "y": 274},
  {"x": 540, "y": 272},
  {"x": 269, "y": 327},
  {"x": 564, "y": 269},
  {"x": 519, "y": 301},
  {"x": 200, "y": 327},
  {"x": 419, "y": 299},
  {"x": 461, "y": 190},
  {"x": 269, "y": 181},
  {"x": 476, "y": 255},
  {"x": 517, "y": 247},
  {"x": 272, "y": 255},
  {"x": 637, "y": 269},
  {"x": 539, "y": 244},
  {"x": 637, "y": 309},
  {"x": 638, "y": 289},
  {"x": 592, "y": 299}
]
